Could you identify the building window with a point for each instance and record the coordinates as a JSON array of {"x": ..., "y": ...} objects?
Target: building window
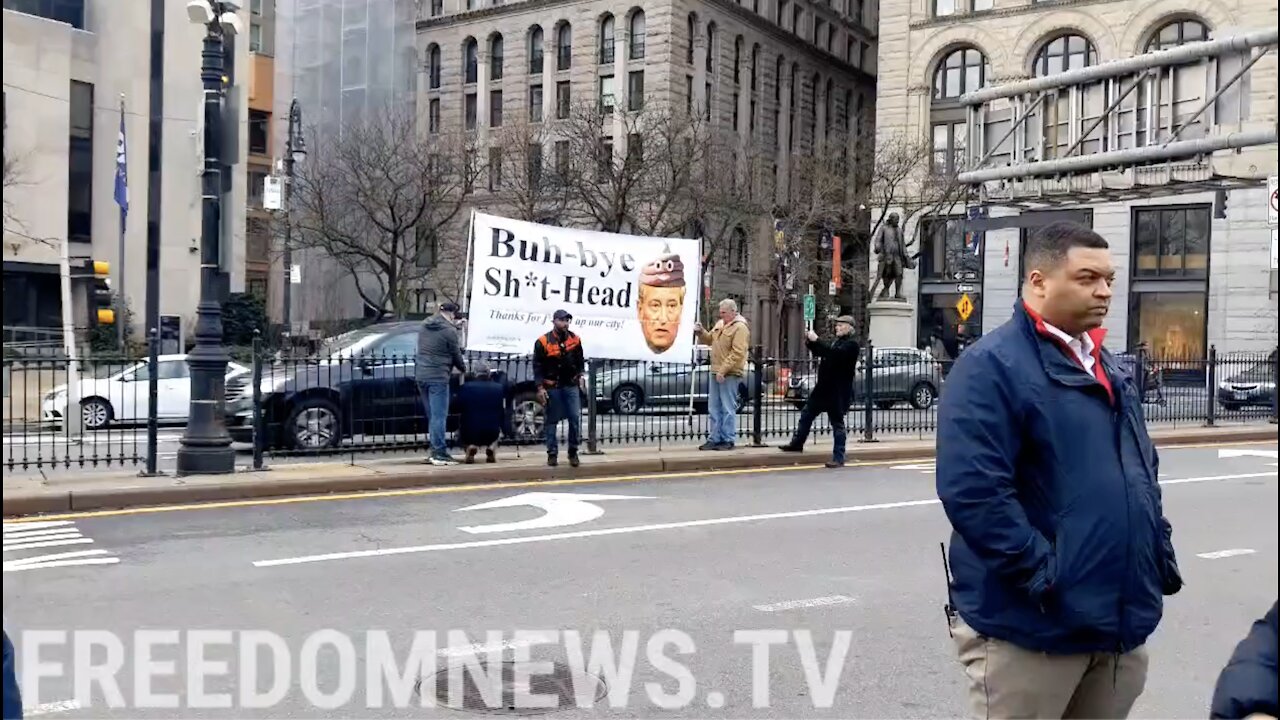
[
  {"x": 535, "y": 51},
  {"x": 1066, "y": 52},
  {"x": 606, "y": 94},
  {"x": 635, "y": 90},
  {"x": 564, "y": 47},
  {"x": 535, "y": 103},
  {"x": 948, "y": 146},
  {"x": 736, "y": 98},
  {"x": 707, "y": 108},
  {"x": 817, "y": 32},
  {"x": 562, "y": 158},
  {"x": 433, "y": 67},
  {"x": 982, "y": 5},
  {"x": 495, "y": 169},
  {"x": 533, "y": 164},
  {"x": 1171, "y": 242},
  {"x": 961, "y": 71},
  {"x": 563, "y": 100},
  {"x": 711, "y": 48},
  {"x": 739, "y": 257},
  {"x": 496, "y": 48},
  {"x": 604, "y": 158},
  {"x": 1172, "y": 324},
  {"x": 637, "y": 35},
  {"x": 259, "y": 132},
  {"x": 437, "y": 8},
  {"x": 255, "y": 37},
  {"x": 755, "y": 67},
  {"x": 469, "y": 111},
  {"x": 751, "y": 129},
  {"x": 947, "y": 252},
  {"x": 797, "y": 15},
  {"x": 1178, "y": 33},
  {"x": 433, "y": 116},
  {"x": 80, "y": 165},
  {"x": 606, "y": 40},
  {"x": 495, "y": 108},
  {"x": 688, "y": 95},
  {"x": 692, "y": 33},
  {"x": 737, "y": 60},
  {"x": 944, "y": 8},
  {"x": 635, "y": 151},
  {"x": 777, "y": 79},
  {"x": 831, "y": 38},
  {"x": 471, "y": 61},
  {"x": 70, "y": 12},
  {"x": 257, "y": 186}
]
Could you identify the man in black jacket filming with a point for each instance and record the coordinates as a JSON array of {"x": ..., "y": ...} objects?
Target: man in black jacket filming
[{"x": 837, "y": 364}]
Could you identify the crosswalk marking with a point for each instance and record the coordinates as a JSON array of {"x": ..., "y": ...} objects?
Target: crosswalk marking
[{"x": 49, "y": 534}]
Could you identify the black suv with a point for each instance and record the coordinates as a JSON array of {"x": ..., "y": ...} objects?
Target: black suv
[{"x": 361, "y": 384}]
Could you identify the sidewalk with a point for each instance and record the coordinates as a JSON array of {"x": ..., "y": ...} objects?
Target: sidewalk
[{"x": 125, "y": 489}]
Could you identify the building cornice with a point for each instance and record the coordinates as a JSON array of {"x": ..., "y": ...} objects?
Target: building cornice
[{"x": 1032, "y": 8}]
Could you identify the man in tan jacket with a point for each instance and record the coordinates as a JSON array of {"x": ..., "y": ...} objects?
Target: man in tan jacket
[{"x": 729, "y": 341}]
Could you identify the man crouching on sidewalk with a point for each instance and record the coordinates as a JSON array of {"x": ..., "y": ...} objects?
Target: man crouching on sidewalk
[{"x": 481, "y": 404}]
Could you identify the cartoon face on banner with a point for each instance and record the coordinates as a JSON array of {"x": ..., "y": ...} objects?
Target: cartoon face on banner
[
  {"x": 626, "y": 292},
  {"x": 661, "y": 302}
]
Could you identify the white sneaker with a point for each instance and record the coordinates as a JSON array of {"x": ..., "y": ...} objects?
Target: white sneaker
[{"x": 442, "y": 460}]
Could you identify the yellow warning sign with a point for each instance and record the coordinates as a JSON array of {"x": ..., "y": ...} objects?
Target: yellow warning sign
[{"x": 964, "y": 307}]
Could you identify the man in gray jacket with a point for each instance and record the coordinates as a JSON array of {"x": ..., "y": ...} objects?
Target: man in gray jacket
[{"x": 439, "y": 354}]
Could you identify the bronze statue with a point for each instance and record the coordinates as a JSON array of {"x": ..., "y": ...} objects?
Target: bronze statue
[{"x": 891, "y": 248}]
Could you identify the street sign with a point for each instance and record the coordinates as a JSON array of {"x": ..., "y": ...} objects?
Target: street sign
[
  {"x": 1273, "y": 202},
  {"x": 810, "y": 308},
  {"x": 272, "y": 193},
  {"x": 295, "y": 274},
  {"x": 962, "y": 288},
  {"x": 831, "y": 287},
  {"x": 966, "y": 275},
  {"x": 964, "y": 307}
]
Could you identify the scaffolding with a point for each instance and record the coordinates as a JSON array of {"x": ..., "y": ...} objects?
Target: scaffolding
[{"x": 1117, "y": 130}]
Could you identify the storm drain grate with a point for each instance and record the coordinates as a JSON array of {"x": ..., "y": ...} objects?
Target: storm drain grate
[{"x": 495, "y": 687}]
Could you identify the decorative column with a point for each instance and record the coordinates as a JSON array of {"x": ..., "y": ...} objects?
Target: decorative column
[
  {"x": 482, "y": 93},
  {"x": 549, "y": 75},
  {"x": 784, "y": 134},
  {"x": 700, "y": 51}
]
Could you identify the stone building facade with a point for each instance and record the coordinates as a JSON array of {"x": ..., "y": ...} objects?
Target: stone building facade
[{"x": 1190, "y": 237}]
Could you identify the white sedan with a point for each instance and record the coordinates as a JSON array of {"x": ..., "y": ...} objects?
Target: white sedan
[{"x": 121, "y": 392}]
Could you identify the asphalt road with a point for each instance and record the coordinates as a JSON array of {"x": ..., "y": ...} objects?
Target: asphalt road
[{"x": 848, "y": 560}]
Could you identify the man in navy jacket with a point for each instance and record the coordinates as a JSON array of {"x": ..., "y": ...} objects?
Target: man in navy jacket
[
  {"x": 1249, "y": 686},
  {"x": 1060, "y": 552}
]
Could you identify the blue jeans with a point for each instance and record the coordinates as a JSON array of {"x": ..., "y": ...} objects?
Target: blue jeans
[
  {"x": 435, "y": 404},
  {"x": 722, "y": 405},
  {"x": 563, "y": 404}
]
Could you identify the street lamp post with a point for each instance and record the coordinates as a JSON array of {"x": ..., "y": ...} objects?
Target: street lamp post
[
  {"x": 293, "y": 146},
  {"x": 206, "y": 445}
]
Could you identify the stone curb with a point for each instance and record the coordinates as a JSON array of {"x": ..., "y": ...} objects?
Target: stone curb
[{"x": 246, "y": 486}]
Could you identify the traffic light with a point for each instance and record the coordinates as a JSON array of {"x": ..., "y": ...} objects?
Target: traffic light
[{"x": 101, "y": 306}]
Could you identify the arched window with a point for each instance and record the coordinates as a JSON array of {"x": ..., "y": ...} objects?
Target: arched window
[
  {"x": 606, "y": 40},
  {"x": 1178, "y": 32},
  {"x": 637, "y": 35},
  {"x": 711, "y": 48},
  {"x": 470, "y": 60},
  {"x": 535, "y": 50},
  {"x": 737, "y": 59},
  {"x": 495, "y": 57},
  {"x": 755, "y": 66},
  {"x": 1065, "y": 52},
  {"x": 564, "y": 47},
  {"x": 693, "y": 32},
  {"x": 433, "y": 67},
  {"x": 777, "y": 79},
  {"x": 962, "y": 71}
]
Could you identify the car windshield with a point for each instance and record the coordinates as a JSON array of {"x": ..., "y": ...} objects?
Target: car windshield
[
  {"x": 348, "y": 343},
  {"x": 1260, "y": 372},
  {"x": 104, "y": 370}
]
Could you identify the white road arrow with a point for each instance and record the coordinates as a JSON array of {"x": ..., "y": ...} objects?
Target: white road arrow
[
  {"x": 560, "y": 509},
  {"x": 1240, "y": 452}
]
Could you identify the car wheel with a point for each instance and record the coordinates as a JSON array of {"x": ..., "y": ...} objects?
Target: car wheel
[
  {"x": 315, "y": 424},
  {"x": 922, "y": 396},
  {"x": 886, "y": 404},
  {"x": 797, "y": 404},
  {"x": 528, "y": 417},
  {"x": 1231, "y": 407},
  {"x": 95, "y": 413},
  {"x": 627, "y": 400}
]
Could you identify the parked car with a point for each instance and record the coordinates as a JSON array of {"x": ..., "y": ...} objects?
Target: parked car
[
  {"x": 363, "y": 383},
  {"x": 900, "y": 374},
  {"x": 626, "y": 388},
  {"x": 1255, "y": 386},
  {"x": 120, "y": 393}
]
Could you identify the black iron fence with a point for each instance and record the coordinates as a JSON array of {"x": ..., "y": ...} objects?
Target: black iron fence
[{"x": 353, "y": 403}]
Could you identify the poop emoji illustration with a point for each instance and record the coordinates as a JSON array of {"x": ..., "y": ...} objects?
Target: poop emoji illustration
[{"x": 661, "y": 302}]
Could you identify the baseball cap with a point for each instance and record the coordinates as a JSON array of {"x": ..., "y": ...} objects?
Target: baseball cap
[
  {"x": 449, "y": 307},
  {"x": 562, "y": 315}
]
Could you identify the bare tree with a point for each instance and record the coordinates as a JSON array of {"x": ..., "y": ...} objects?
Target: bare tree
[
  {"x": 519, "y": 175},
  {"x": 903, "y": 181},
  {"x": 14, "y": 178},
  {"x": 642, "y": 187},
  {"x": 378, "y": 198}
]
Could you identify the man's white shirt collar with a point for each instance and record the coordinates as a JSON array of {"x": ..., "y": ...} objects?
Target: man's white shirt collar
[{"x": 1082, "y": 346}]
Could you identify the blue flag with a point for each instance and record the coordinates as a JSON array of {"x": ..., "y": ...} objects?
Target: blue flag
[{"x": 122, "y": 180}]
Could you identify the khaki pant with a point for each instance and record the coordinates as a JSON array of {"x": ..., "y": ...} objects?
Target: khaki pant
[{"x": 1006, "y": 681}]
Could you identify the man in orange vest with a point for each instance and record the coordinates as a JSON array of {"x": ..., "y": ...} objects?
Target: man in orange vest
[{"x": 558, "y": 364}]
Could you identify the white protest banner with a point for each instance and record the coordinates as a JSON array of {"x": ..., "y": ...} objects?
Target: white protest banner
[{"x": 631, "y": 297}]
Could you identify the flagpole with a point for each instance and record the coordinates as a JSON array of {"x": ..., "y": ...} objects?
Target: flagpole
[{"x": 122, "y": 190}]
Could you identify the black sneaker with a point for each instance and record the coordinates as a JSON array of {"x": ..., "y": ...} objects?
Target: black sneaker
[
  {"x": 573, "y": 459},
  {"x": 790, "y": 448},
  {"x": 708, "y": 445},
  {"x": 724, "y": 446},
  {"x": 552, "y": 460},
  {"x": 490, "y": 456},
  {"x": 835, "y": 463}
]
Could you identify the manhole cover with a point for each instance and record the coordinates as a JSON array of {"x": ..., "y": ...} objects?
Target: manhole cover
[{"x": 512, "y": 688}]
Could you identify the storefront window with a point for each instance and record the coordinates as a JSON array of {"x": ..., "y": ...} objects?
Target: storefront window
[
  {"x": 1171, "y": 323},
  {"x": 947, "y": 252},
  {"x": 938, "y": 317},
  {"x": 1171, "y": 242}
]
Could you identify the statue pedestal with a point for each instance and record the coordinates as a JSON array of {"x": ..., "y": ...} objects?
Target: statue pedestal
[{"x": 890, "y": 323}]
